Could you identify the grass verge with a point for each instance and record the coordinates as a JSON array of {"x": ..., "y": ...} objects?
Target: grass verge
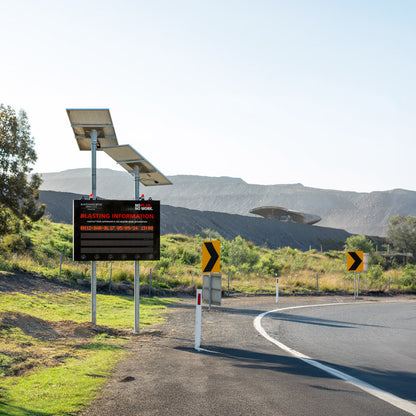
[
  {"x": 59, "y": 390},
  {"x": 52, "y": 360}
]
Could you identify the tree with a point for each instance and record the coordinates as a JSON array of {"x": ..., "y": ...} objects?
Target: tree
[
  {"x": 359, "y": 243},
  {"x": 18, "y": 194},
  {"x": 401, "y": 232}
]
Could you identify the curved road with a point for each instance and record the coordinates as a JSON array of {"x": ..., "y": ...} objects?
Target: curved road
[
  {"x": 374, "y": 342},
  {"x": 242, "y": 373}
]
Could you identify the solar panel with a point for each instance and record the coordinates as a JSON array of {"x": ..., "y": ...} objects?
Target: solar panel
[
  {"x": 83, "y": 121},
  {"x": 128, "y": 158}
]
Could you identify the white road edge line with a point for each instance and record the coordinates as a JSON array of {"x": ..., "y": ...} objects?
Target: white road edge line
[{"x": 405, "y": 405}]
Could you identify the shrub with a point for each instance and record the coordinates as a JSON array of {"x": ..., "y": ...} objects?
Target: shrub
[
  {"x": 359, "y": 242},
  {"x": 163, "y": 263},
  {"x": 409, "y": 275},
  {"x": 270, "y": 265},
  {"x": 242, "y": 253},
  {"x": 375, "y": 273},
  {"x": 15, "y": 243},
  {"x": 122, "y": 275},
  {"x": 190, "y": 257}
]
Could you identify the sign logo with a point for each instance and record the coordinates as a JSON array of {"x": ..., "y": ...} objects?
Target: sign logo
[
  {"x": 355, "y": 261},
  {"x": 211, "y": 256}
]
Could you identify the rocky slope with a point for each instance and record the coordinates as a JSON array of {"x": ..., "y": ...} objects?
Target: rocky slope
[
  {"x": 179, "y": 220},
  {"x": 362, "y": 213}
]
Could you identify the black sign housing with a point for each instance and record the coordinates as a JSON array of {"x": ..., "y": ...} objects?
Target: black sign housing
[{"x": 116, "y": 230}]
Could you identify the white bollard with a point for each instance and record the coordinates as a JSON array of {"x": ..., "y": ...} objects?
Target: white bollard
[
  {"x": 277, "y": 289},
  {"x": 198, "y": 319}
]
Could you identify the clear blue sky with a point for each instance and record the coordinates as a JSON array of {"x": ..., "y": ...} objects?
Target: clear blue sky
[{"x": 317, "y": 92}]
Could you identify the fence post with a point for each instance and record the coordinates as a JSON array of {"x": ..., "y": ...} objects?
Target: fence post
[
  {"x": 261, "y": 283},
  {"x": 150, "y": 284},
  {"x": 228, "y": 282},
  {"x": 60, "y": 268}
]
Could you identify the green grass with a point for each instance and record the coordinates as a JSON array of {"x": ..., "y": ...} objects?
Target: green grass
[
  {"x": 180, "y": 262},
  {"x": 112, "y": 311},
  {"x": 60, "y": 376},
  {"x": 59, "y": 390}
]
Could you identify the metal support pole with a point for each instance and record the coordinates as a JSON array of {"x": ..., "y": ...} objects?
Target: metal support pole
[
  {"x": 228, "y": 282},
  {"x": 94, "y": 292},
  {"x": 136, "y": 297},
  {"x": 210, "y": 291},
  {"x": 136, "y": 182},
  {"x": 94, "y": 135},
  {"x": 355, "y": 285},
  {"x": 136, "y": 263},
  {"x": 94, "y": 141}
]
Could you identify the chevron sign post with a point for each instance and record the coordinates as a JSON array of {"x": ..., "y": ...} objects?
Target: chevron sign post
[
  {"x": 211, "y": 276},
  {"x": 357, "y": 261}
]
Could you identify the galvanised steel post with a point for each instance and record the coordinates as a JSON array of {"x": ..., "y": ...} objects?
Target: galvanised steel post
[
  {"x": 94, "y": 135},
  {"x": 136, "y": 262}
]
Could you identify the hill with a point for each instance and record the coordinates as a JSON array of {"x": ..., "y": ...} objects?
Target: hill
[
  {"x": 177, "y": 220},
  {"x": 361, "y": 213}
]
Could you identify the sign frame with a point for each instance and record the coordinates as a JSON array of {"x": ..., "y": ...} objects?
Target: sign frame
[
  {"x": 116, "y": 230},
  {"x": 212, "y": 288}
]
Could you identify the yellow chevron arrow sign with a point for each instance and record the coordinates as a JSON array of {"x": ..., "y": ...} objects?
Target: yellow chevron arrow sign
[
  {"x": 355, "y": 261},
  {"x": 211, "y": 256}
]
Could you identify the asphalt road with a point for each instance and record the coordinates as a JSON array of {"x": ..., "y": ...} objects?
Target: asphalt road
[
  {"x": 242, "y": 374},
  {"x": 374, "y": 342}
]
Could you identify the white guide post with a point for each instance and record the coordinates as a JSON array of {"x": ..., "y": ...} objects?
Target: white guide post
[
  {"x": 277, "y": 289},
  {"x": 198, "y": 319}
]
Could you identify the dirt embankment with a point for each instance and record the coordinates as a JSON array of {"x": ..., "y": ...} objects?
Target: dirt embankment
[{"x": 28, "y": 342}]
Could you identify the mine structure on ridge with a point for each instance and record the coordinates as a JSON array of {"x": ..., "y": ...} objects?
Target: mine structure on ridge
[{"x": 286, "y": 215}]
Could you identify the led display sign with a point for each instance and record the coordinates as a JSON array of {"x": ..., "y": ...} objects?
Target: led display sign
[{"x": 116, "y": 230}]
